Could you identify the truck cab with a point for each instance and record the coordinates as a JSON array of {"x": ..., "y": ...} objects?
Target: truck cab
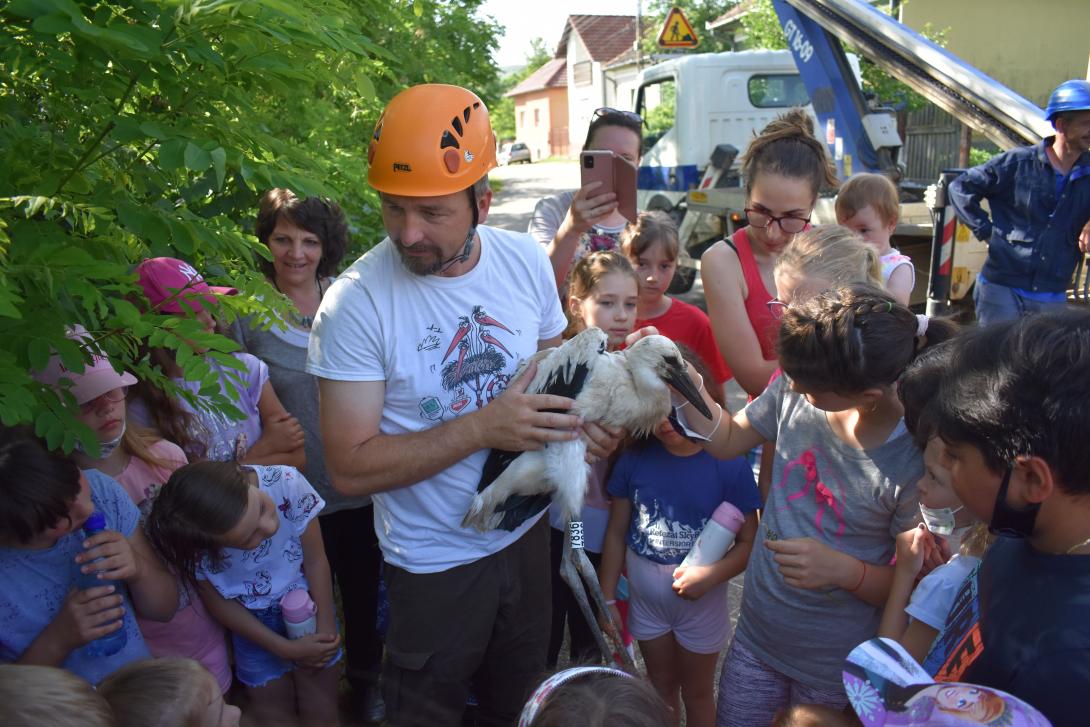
[{"x": 694, "y": 103}]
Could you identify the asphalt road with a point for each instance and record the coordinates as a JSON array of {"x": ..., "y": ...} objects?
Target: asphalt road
[{"x": 523, "y": 186}]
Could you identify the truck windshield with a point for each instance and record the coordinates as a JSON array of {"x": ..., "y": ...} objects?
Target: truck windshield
[
  {"x": 777, "y": 91},
  {"x": 656, "y": 103}
]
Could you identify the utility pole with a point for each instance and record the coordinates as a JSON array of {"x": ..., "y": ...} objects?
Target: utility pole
[{"x": 639, "y": 35}]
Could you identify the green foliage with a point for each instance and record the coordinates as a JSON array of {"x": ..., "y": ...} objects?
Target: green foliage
[
  {"x": 660, "y": 118},
  {"x": 140, "y": 128},
  {"x": 698, "y": 13},
  {"x": 978, "y": 156},
  {"x": 763, "y": 30}
]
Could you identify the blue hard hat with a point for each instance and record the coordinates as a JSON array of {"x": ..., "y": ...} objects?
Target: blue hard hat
[{"x": 1073, "y": 95}]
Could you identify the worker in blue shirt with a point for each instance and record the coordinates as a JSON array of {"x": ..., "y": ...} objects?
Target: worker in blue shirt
[{"x": 1039, "y": 198}]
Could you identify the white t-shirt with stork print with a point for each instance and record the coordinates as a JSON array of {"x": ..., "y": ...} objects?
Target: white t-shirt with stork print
[{"x": 445, "y": 346}]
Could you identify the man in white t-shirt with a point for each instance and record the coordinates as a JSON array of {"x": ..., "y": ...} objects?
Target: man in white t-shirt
[{"x": 415, "y": 346}]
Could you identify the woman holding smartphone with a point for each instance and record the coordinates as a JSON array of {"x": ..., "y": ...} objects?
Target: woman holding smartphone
[{"x": 573, "y": 224}]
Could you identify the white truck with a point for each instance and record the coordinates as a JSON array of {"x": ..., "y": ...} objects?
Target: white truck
[
  {"x": 703, "y": 109},
  {"x": 711, "y": 99}
]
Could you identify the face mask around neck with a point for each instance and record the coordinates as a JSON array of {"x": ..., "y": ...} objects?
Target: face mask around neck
[
  {"x": 1008, "y": 522},
  {"x": 105, "y": 448}
]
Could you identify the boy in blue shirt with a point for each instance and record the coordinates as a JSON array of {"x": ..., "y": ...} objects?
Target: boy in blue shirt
[
  {"x": 44, "y": 619},
  {"x": 1012, "y": 414}
]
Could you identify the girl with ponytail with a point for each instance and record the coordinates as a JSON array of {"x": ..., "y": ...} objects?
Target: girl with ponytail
[
  {"x": 843, "y": 486},
  {"x": 784, "y": 168}
]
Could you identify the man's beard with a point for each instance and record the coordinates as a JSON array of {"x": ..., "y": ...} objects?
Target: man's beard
[{"x": 420, "y": 265}]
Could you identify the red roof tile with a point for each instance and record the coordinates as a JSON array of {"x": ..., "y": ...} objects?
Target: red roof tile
[
  {"x": 553, "y": 74},
  {"x": 605, "y": 36}
]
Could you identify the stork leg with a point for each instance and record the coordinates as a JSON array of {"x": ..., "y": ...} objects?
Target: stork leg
[{"x": 574, "y": 564}]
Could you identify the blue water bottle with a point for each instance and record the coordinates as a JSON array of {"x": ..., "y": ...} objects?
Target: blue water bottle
[{"x": 113, "y": 642}]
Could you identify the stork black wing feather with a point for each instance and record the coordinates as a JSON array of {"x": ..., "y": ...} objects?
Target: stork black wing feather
[
  {"x": 566, "y": 381},
  {"x": 498, "y": 460},
  {"x": 517, "y": 509}
]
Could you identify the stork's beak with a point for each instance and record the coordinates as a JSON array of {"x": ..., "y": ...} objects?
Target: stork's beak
[{"x": 678, "y": 377}]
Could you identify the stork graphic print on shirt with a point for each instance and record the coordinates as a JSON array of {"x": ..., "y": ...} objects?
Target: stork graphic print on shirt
[{"x": 470, "y": 363}]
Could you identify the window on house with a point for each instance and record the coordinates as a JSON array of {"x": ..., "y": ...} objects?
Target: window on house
[
  {"x": 581, "y": 74},
  {"x": 537, "y": 116}
]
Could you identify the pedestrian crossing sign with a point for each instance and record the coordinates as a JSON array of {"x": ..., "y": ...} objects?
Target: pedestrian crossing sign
[{"x": 677, "y": 32}]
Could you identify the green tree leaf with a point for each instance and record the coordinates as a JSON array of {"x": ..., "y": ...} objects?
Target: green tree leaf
[{"x": 196, "y": 158}]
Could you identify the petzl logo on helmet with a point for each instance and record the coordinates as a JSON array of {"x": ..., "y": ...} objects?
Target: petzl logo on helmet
[
  {"x": 468, "y": 156},
  {"x": 402, "y": 167}
]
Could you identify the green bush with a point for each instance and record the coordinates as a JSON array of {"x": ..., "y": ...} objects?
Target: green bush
[{"x": 146, "y": 128}]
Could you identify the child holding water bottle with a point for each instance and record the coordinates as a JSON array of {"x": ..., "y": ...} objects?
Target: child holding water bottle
[
  {"x": 248, "y": 536},
  {"x": 45, "y": 618},
  {"x": 665, "y": 490}
]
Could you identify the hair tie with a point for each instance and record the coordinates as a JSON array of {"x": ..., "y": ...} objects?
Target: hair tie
[
  {"x": 533, "y": 705},
  {"x": 921, "y": 325}
]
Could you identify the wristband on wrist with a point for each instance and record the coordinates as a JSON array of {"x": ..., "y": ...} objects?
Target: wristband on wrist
[
  {"x": 862, "y": 577},
  {"x": 611, "y": 602}
]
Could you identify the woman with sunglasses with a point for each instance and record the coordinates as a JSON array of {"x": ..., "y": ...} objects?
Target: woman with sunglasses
[
  {"x": 141, "y": 462},
  {"x": 574, "y": 224},
  {"x": 784, "y": 168}
]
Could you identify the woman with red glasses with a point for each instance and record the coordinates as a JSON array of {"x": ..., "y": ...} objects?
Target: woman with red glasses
[
  {"x": 784, "y": 168},
  {"x": 572, "y": 225},
  {"x": 141, "y": 462}
]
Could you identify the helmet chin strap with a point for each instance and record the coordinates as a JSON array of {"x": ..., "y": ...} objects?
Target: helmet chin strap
[
  {"x": 463, "y": 256},
  {"x": 467, "y": 248}
]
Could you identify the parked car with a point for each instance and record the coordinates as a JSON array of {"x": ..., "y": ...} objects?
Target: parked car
[{"x": 516, "y": 152}]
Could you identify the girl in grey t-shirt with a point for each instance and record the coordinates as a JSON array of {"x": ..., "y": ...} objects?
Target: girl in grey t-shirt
[{"x": 843, "y": 485}]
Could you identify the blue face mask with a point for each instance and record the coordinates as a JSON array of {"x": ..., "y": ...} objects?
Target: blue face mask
[{"x": 105, "y": 448}]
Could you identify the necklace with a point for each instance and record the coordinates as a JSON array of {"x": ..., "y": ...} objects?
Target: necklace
[
  {"x": 301, "y": 321},
  {"x": 1075, "y": 547}
]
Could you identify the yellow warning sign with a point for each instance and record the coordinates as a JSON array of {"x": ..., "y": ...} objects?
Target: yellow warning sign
[{"x": 677, "y": 32}]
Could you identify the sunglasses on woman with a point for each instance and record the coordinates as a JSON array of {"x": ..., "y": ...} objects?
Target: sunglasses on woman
[{"x": 607, "y": 112}]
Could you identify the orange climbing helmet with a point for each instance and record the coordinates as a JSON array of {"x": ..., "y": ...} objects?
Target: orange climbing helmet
[{"x": 431, "y": 140}]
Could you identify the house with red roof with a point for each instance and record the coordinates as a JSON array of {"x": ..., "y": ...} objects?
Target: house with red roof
[
  {"x": 595, "y": 65},
  {"x": 602, "y": 68},
  {"x": 541, "y": 110}
]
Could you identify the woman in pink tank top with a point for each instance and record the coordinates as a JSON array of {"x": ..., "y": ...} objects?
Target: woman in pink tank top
[{"x": 784, "y": 168}]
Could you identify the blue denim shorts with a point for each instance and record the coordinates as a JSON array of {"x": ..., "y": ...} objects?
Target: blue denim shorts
[{"x": 256, "y": 667}]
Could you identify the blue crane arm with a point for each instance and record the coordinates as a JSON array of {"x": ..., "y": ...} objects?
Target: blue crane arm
[
  {"x": 976, "y": 99},
  {"x": 834, "y": 92}
]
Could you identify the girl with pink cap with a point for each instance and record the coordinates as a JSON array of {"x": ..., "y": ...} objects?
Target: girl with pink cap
[{"x": 266, "y": 434}]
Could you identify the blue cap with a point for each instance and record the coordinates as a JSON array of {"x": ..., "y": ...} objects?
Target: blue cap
[
  {"x": 96, "y": 523},
  {"x": 1073, "y": 95}
]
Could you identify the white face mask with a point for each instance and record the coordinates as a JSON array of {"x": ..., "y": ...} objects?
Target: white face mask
[
  {"x": 105, "y": 448},
  {"x": 940, "y": 521}
]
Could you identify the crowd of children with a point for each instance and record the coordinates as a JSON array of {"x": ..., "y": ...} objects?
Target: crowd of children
[{"x": 897, "y": 447}]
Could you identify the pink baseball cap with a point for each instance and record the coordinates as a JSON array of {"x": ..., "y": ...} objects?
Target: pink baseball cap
[
  {"x": 97, "y": 377},
  {"x": 163, "y": 278}
]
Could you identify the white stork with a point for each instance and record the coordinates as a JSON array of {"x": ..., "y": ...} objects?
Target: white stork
[{"x": 621, "y": 389}]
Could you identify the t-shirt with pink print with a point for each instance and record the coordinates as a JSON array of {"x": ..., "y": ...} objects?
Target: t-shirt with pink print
[{"x": 850, "y": 499}]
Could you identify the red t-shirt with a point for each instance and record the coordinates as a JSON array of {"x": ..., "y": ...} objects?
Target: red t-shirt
[{"x": 687, "y": 324}]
